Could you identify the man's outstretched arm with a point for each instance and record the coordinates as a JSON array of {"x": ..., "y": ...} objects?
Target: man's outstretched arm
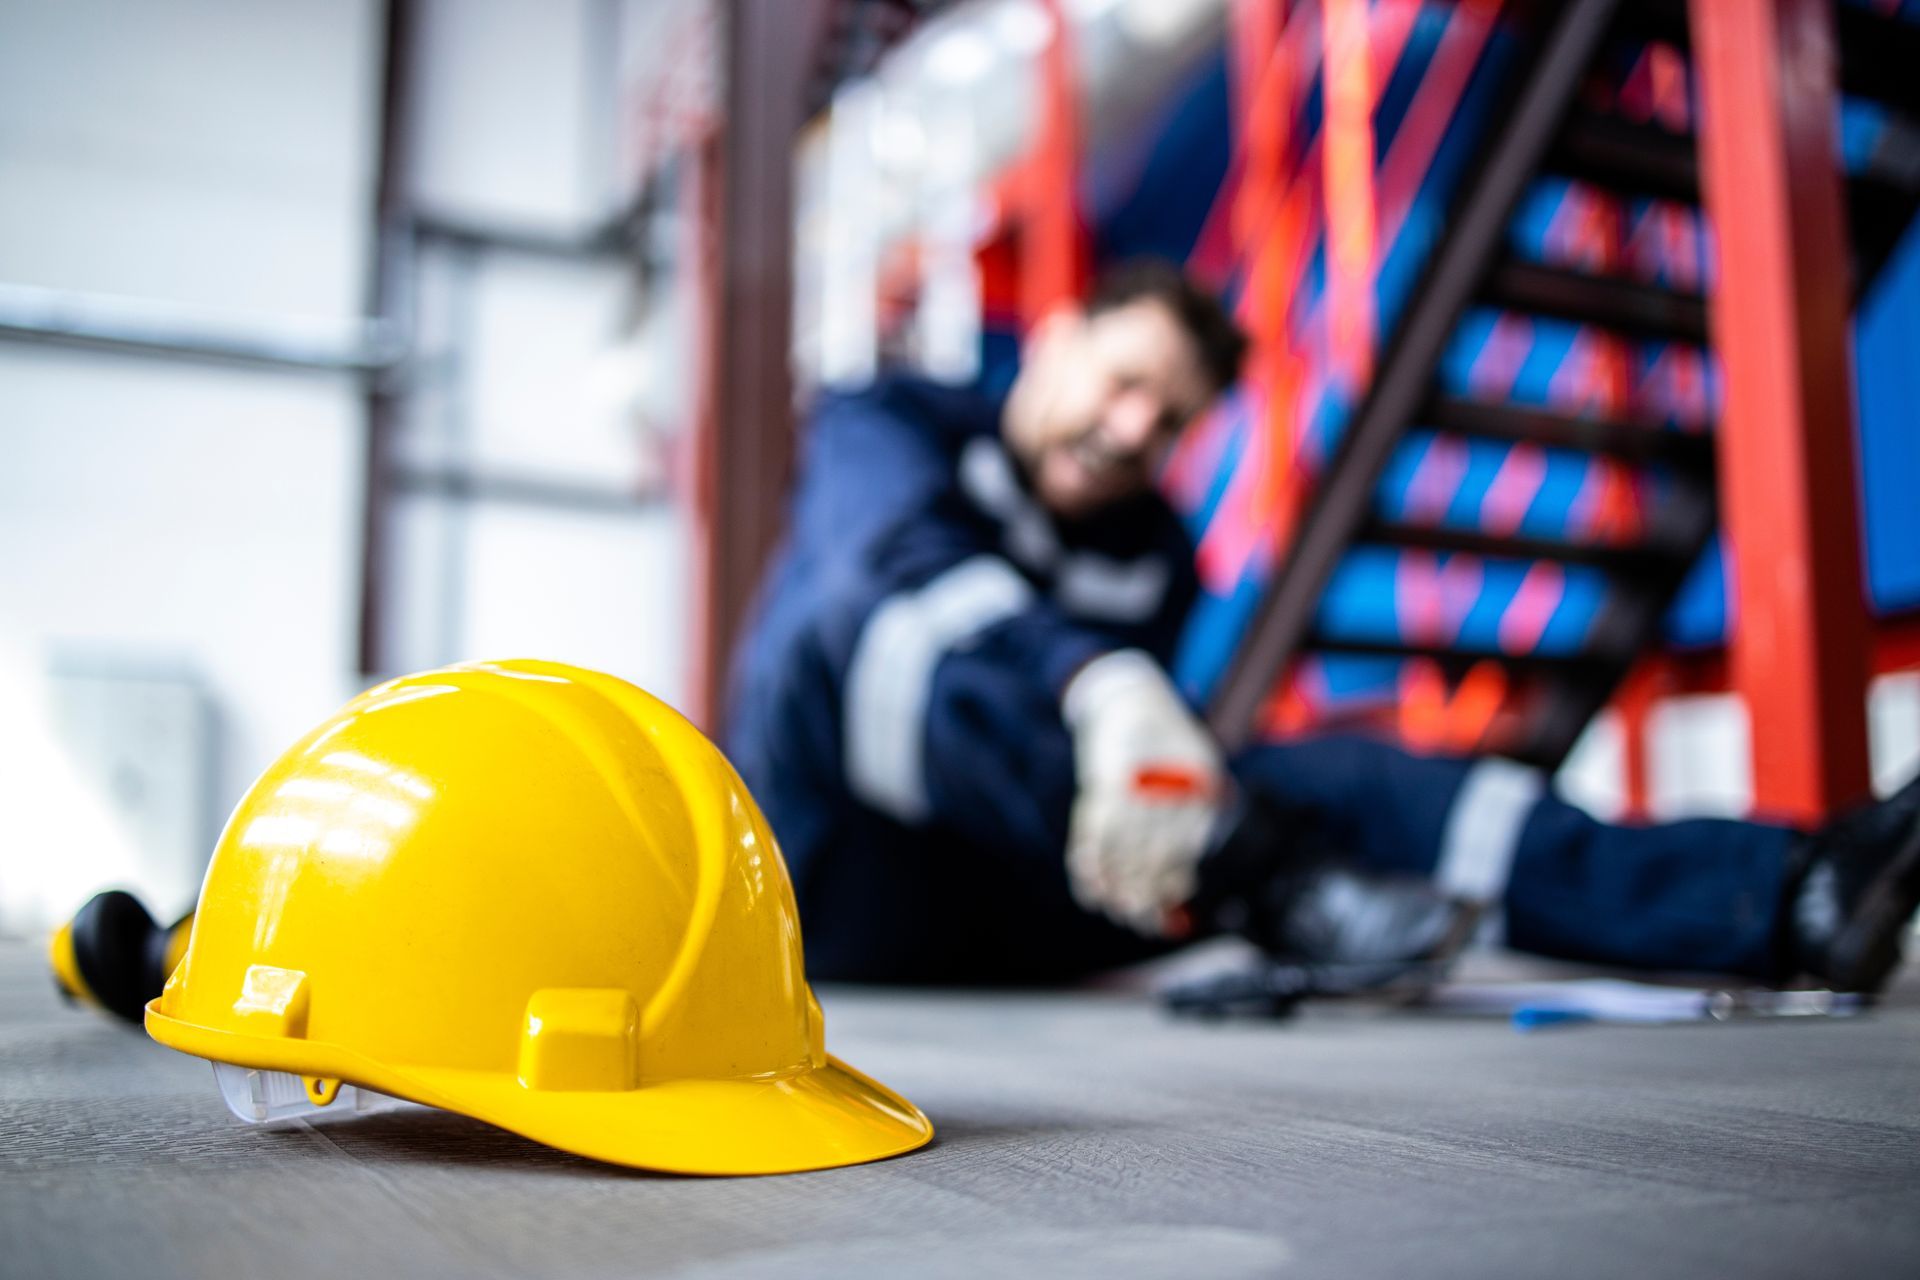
[{"x": 971, "y": 701}]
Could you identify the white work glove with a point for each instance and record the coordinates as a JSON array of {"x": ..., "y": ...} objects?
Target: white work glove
[{"x": 1151, "y": 785}]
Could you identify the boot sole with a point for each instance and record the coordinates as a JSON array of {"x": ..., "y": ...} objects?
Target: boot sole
[{"x": 1869, "y": 947}]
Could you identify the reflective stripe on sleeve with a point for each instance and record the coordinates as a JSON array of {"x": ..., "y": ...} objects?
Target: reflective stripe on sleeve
[
  {"x": 890, "y": 679},
  {"x": 1109, "y": 590},
  {"x": 1483, "y": 829}
]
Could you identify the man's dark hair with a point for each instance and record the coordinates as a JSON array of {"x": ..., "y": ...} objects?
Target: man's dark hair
[{"x": 1220, "y": 342}]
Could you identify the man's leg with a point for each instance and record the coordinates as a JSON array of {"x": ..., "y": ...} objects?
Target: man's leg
[{"x": 1698, "y": 895}]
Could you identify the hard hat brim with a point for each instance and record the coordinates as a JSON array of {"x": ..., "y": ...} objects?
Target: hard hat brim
[{"x": 818, "y": 1119}]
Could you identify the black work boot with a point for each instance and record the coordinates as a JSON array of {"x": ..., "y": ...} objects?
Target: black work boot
[
  {"x": 114, "y": 955},
  {"x": 1858, "y": 884},
  {"x": 1266, "y": 878},
  {"x": 1326, "y": 927}
]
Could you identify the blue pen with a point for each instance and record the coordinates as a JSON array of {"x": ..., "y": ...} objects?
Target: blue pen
[{"x": 1534, "y": 1017}]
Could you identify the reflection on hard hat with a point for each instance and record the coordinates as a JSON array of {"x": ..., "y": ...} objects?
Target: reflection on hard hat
[{"x": 399, "y": 779}]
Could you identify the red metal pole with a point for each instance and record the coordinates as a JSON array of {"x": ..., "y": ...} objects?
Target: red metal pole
[
  {"x": 700, "y": 206},
  {"x": 1053, "y": 250},
  {"x": 1788, "y": 473},
  {"x": 1347, "y": 156},
  {"x": 1634, "y": 704},
  {"x": 748, "y": 448},
  {"x": 1267, "y": 230}
]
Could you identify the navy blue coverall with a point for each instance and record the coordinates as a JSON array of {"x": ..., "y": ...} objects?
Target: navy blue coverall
[{"x": 895, "y": 709}]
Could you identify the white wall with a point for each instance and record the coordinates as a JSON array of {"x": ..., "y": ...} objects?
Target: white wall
[
  {"x": 534, "y": 371},
  {"x": 512, "y": 117},
  {"x": 211, "y": 151},
  {"x": 182, "y": 539},
  {"x": 535, "y": 366},
  {"x": 1699, "y": 753},
  {"x": 159, "y": 514}
]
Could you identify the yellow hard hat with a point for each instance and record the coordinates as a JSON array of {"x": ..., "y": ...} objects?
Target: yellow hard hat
[{"x": 536, "y": 895}]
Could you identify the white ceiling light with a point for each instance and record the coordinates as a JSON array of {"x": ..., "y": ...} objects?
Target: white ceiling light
[
  {"x": 1021, "y": 27},
  {"x": 961, "y": 56},
  {"x": 1163, "y": 21},
  {"x": 1084, "y": 12}
]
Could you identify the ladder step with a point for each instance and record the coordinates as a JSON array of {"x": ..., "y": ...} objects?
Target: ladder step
[
  {"x": 1638, "y": 310},
  {"x": 1632, "y": 560},
  {"x": 1456, "y": 660},
  {"x": 1877, "y": 53},
  {"x": 1647, "y": 161},
  {"x": 1878, "y": 57},
  {"x": 1637, "y": 442},
  {"x": 1629, "y": 158}
]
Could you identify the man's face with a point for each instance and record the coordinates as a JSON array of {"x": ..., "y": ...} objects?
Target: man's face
[{"x": 1099, "y": 400}]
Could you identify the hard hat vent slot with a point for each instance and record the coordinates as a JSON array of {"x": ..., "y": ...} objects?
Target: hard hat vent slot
[{"x": 580, "y": 1039}]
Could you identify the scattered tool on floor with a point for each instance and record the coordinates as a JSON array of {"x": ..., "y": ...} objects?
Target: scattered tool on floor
[
  {"x": 1537, "y": 1005},
  {"x": 1271, "y": 988}
]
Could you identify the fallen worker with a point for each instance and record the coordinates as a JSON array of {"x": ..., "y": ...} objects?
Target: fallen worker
[{"x": 954, "y": 708}]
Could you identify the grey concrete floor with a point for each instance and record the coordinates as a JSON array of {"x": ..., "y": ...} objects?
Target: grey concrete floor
[{"x": 1081, "y": 1134}]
